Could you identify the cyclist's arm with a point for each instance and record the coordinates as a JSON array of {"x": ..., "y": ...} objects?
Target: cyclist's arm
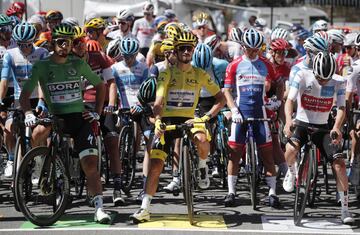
[
  {"x": 3, "y": 88},
  {"x": 228, "y": 97},
  {"x": 229, "y": 84},
  {"x": 6, "y": 75},
  {"x": 161, "y": 88},
  {"x": 28, "y": 88},
  {"x": 158, "y": 107},
  {"x": 295, "y": 85},
  {"x": 150, "y": 57},
  {"x": 112, "y": 92},
  {"x": 340, "y": 103}
]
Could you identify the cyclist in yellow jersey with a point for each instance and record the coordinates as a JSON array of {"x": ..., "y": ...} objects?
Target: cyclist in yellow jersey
[{"x": 177, "y": 95}]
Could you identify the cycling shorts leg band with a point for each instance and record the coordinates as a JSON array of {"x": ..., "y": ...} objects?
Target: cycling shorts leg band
[{"x": 158, "y": 154}]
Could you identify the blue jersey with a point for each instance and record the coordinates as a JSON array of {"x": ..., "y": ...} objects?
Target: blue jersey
[
  {"x": 297, "y": 67},
  {"x": 128, "y": 81},
  {"x": 17, "y": 67}
]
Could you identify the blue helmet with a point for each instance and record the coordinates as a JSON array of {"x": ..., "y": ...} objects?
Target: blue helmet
[
  {"x": 129, "y": 46},
  {"x": 316, "y": 44},
  {"x": 24, "y": 32},
  {"x": 202, "y": 57},
  {"x": 302, "y": 34},
  {"x": 14, "y": 20},
  {"x": 252, "y": 38}
]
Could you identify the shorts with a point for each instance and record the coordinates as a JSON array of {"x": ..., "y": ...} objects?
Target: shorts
[
  {"x": 261, "y": 130},
  {"x": 300, "y": 135},
  {"x": 80, "y": 130}
]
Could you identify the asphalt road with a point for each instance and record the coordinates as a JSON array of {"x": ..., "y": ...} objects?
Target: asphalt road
[{"x": 169, "y": 215}]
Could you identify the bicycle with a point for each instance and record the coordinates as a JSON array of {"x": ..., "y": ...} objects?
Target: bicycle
[
  {"x": 188, "y": 163},
  {"x": 127, "y": 148},
  {"x": 252, "y": 159},
  {"x": 306, "y": 173},
  {"x": 53, "y": 188}
]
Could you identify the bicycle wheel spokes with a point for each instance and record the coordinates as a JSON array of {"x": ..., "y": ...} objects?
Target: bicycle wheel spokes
[
  {"x": 251, "y": 171},
  {"x": 127, "y": 157},
  {"x": 188, "y": 182},
  {"x": 42, "y": 198}
]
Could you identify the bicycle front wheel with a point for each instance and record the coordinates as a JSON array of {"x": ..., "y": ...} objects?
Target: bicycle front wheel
[
  {"x": 187, "y": 180},
  {"x": 303, "y": 185},
  {"x": 42, "y": 187},
  {"x": 20, "y": 150},
  {"x": 251, "y": 171}
]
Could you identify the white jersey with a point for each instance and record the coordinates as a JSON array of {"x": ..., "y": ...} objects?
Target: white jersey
[
  {"x": 315, "y": 101},
  {"x": 353, "y": 78},
  {"x": 144, "y": 31},
  {"x": 118, "y": 34},
  {"x": 235, "y": 50}
]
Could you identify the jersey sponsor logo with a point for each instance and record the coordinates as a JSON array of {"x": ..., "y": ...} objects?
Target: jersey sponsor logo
[
  {"x": 250, "y": 89},
  {"x": 308, "y": 89},
  {"x": 72, "y": 71},
  {"x": 63, "y": 86},
  {"x": 191, "y": 82},
  {"x": 316, "y": 104},
  {"x": 64, "y": 92},
  {"x": 180, "y": 99},
  {"x": 327, "y": 91}
]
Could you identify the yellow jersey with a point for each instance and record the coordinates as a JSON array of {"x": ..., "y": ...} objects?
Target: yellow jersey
[{"x": 181, "y": 90}]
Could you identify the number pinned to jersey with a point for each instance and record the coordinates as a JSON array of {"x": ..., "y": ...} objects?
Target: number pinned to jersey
[{"x": 72, "y": 71}]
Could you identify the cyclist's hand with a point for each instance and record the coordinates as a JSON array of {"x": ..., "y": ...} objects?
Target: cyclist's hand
[
  {"x": 109, "y": 109},
  {"x": 159, "y": 128},
  {"x": 41, "y": 108},
  {"x": 30, "y": 120},
  {"x": 336, "y": 133},
  {"x": 236, "y": 115},
  {"x": 287, "y": 130},
  {"x": 90, "y": 116},
  {"x": 136, "y": 109},
  {"x": 273, "y": 104}
]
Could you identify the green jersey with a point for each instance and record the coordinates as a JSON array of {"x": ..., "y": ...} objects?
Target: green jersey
[{"x": 61, "y": 83}]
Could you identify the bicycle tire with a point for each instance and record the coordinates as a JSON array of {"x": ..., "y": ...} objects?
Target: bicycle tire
[
  {"x": 224, "y": 153},
  {"x": 303, "y": 184},
  {"x": 326, "y": 176},
  {"x": 127, "y": 158},
  {"x": 19, "y": 153},
  {"x": 313, "y": 184},
  {"x": 187, "y": 180},
  {"x": 251, "y": 173},
  {"x": 23, "y": 182}
]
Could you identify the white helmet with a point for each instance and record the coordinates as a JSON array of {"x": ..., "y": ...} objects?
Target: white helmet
[
  {"x": 148, "y": 8},
  {"x": 125, "y": 14},
  {"x": 260, "y": 23},
  {"x": 235, "y": 35},
  {"x": 350, "y": 39},
  {"x": 37, "y": 19},
  {"x": 357, "y": 40},
  {"x": 113, "y": 49},
  {"x": 71, "y": 21},
  {"x": 279, "y": 33},
  {"x": 252, "y": 38},
  {"x": 213, "y": 41},
  {"x": 320, "y": 25},
  {"x": 336, "y": 36},
  {"x": 324, "y": 65}
]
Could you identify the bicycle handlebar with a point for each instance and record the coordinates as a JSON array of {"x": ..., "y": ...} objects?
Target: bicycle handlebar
[{"x": 183, "y": 126}]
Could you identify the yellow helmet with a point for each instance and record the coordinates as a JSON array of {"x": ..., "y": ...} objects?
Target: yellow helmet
[
  {"x": 97, "y": 23},
  {"x": 79, "y": 32},
  {"x": 167, "y": 45},
  {"x": 172, "y": 30},
  {"x": 187, "y": 38}
]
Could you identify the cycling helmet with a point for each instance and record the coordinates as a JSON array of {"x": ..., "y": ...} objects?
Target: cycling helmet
[
  {"x": 79, "y": 32},
  {"x": 279, "y": 33},
  {"x": 279, "y": 44},
  {"x": 235, "y": 35},
  {"x": 147, "y": 91},
  {"x": 296, "y": 27},
  {"x": 160, "y": 27},
  {"x": 167, "y": 45},
  {"x": 53, "y": 15},
  {"x": 14, "y": 20},
  {"x": 129, "y": 46},
  {"x": 172, "y": 30},
  {"x": 252, "y": 38},
  {"x": 350, "y": 39},
  {"x": 169, "y": 13},
  {"x": 213, "y": 41},
  {"x": 113, "y": 49},
  {"x": 316, "y": 44},
  {"x": 321, "y": 25},
  {"x": 4, "y": 20},
  {"x": 71, "y": 21},
  {"x": 24, "y": 32},
  {"x": 324, "y": 65},
  {"x": 336, "y": 36},
  {"x": 16, "y": 8},
  {"x": 37, "y": 19},
  {"x": 96, "y": 23},
  {"x": 186, "y": 38},
  {"x": 323, "y": 34},
  {"x": 302, "y": 34},
  {"x": 63, "y": 30},
  {"x": 184, "y": 27},
  {"x": 260, "y": 23},
  {"x": 201, "y": 19},
  {"x": 202, "y": 57},
  {"x": 93, "y": 46},
  {"x": 125, "y": 14},
  {"x": 357, "y": 40},
  {"x": 148, "y": 8}
]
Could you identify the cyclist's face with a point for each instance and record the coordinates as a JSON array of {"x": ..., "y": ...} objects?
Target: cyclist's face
[
  {"x": 202, "y": 30},
  {"x": 130, "y": 59},
  {"x": 251, "y": 53},
  {"x": 321, "y": 81},
  {"x": 52, "y": 23},
  {"x": 93, "y": 34},
  {"x": 5, "y": 33},
  {"x": 25, "y": 48},
  {"x": 336, "y": 47},
  {"x": 79, "y": 46},
  {"x": 124, "y": 26},
  {"x": 184, "y": 53},
  {"x": 279, "y": 56},
  {"x": 62, "y": 46}
]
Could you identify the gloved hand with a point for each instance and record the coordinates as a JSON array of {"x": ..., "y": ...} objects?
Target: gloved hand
[
  {"x": 236, "y": 115},
  {"x": 91, "y": 116},
  {"x": 273, "y": 104},
  {"x": 136, "y": 109},
  {"x": 109, "y": 109},
  {"x": 30, "y": 120},
  {"x": 41, "y": 107},
  {"x": 203, "y": 119}
]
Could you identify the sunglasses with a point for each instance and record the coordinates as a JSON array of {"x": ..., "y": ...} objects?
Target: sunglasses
[
  {"x": 201, "y": 27},
  {"x": 61, "y": 42},
  {"x": 128, "y": 57},
  {"x": 252, "y": 49},
  {"x": 24, "y": 45},
  {"x": 77, "y": 42},
  {"x": 5, "y": 29},
  {"x": 185, "y": 48},
  {"x": 281, "y": 52},
  {"x": 122, "y": 22}
]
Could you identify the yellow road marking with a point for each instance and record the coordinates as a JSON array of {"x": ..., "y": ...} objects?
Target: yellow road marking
[{"x": 182, "y": 221}]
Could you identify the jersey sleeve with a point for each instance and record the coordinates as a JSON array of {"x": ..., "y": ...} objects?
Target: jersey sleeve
[
  {"x": 154, "y": 71},
  {"x": 162, "y": 83},
  {"x": 271, "y": 72},
  {"x": 7, "y": 70},
  {"x": 353, "y": 76},
  {"x": 32, "y": 82},
  {"x": 209, "y": 84},
  {"x": 135, "y": 28},
  {"x": 295, "y": 87},
  {"x": 230, "y": 75},
  {"x": 89, "y": 74},
  {"x": 220, "y": 70},
  {"x": 145, "y": 74},
  {"x": 340, "y": 94},
  {"x": 106, "y": 72}
]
